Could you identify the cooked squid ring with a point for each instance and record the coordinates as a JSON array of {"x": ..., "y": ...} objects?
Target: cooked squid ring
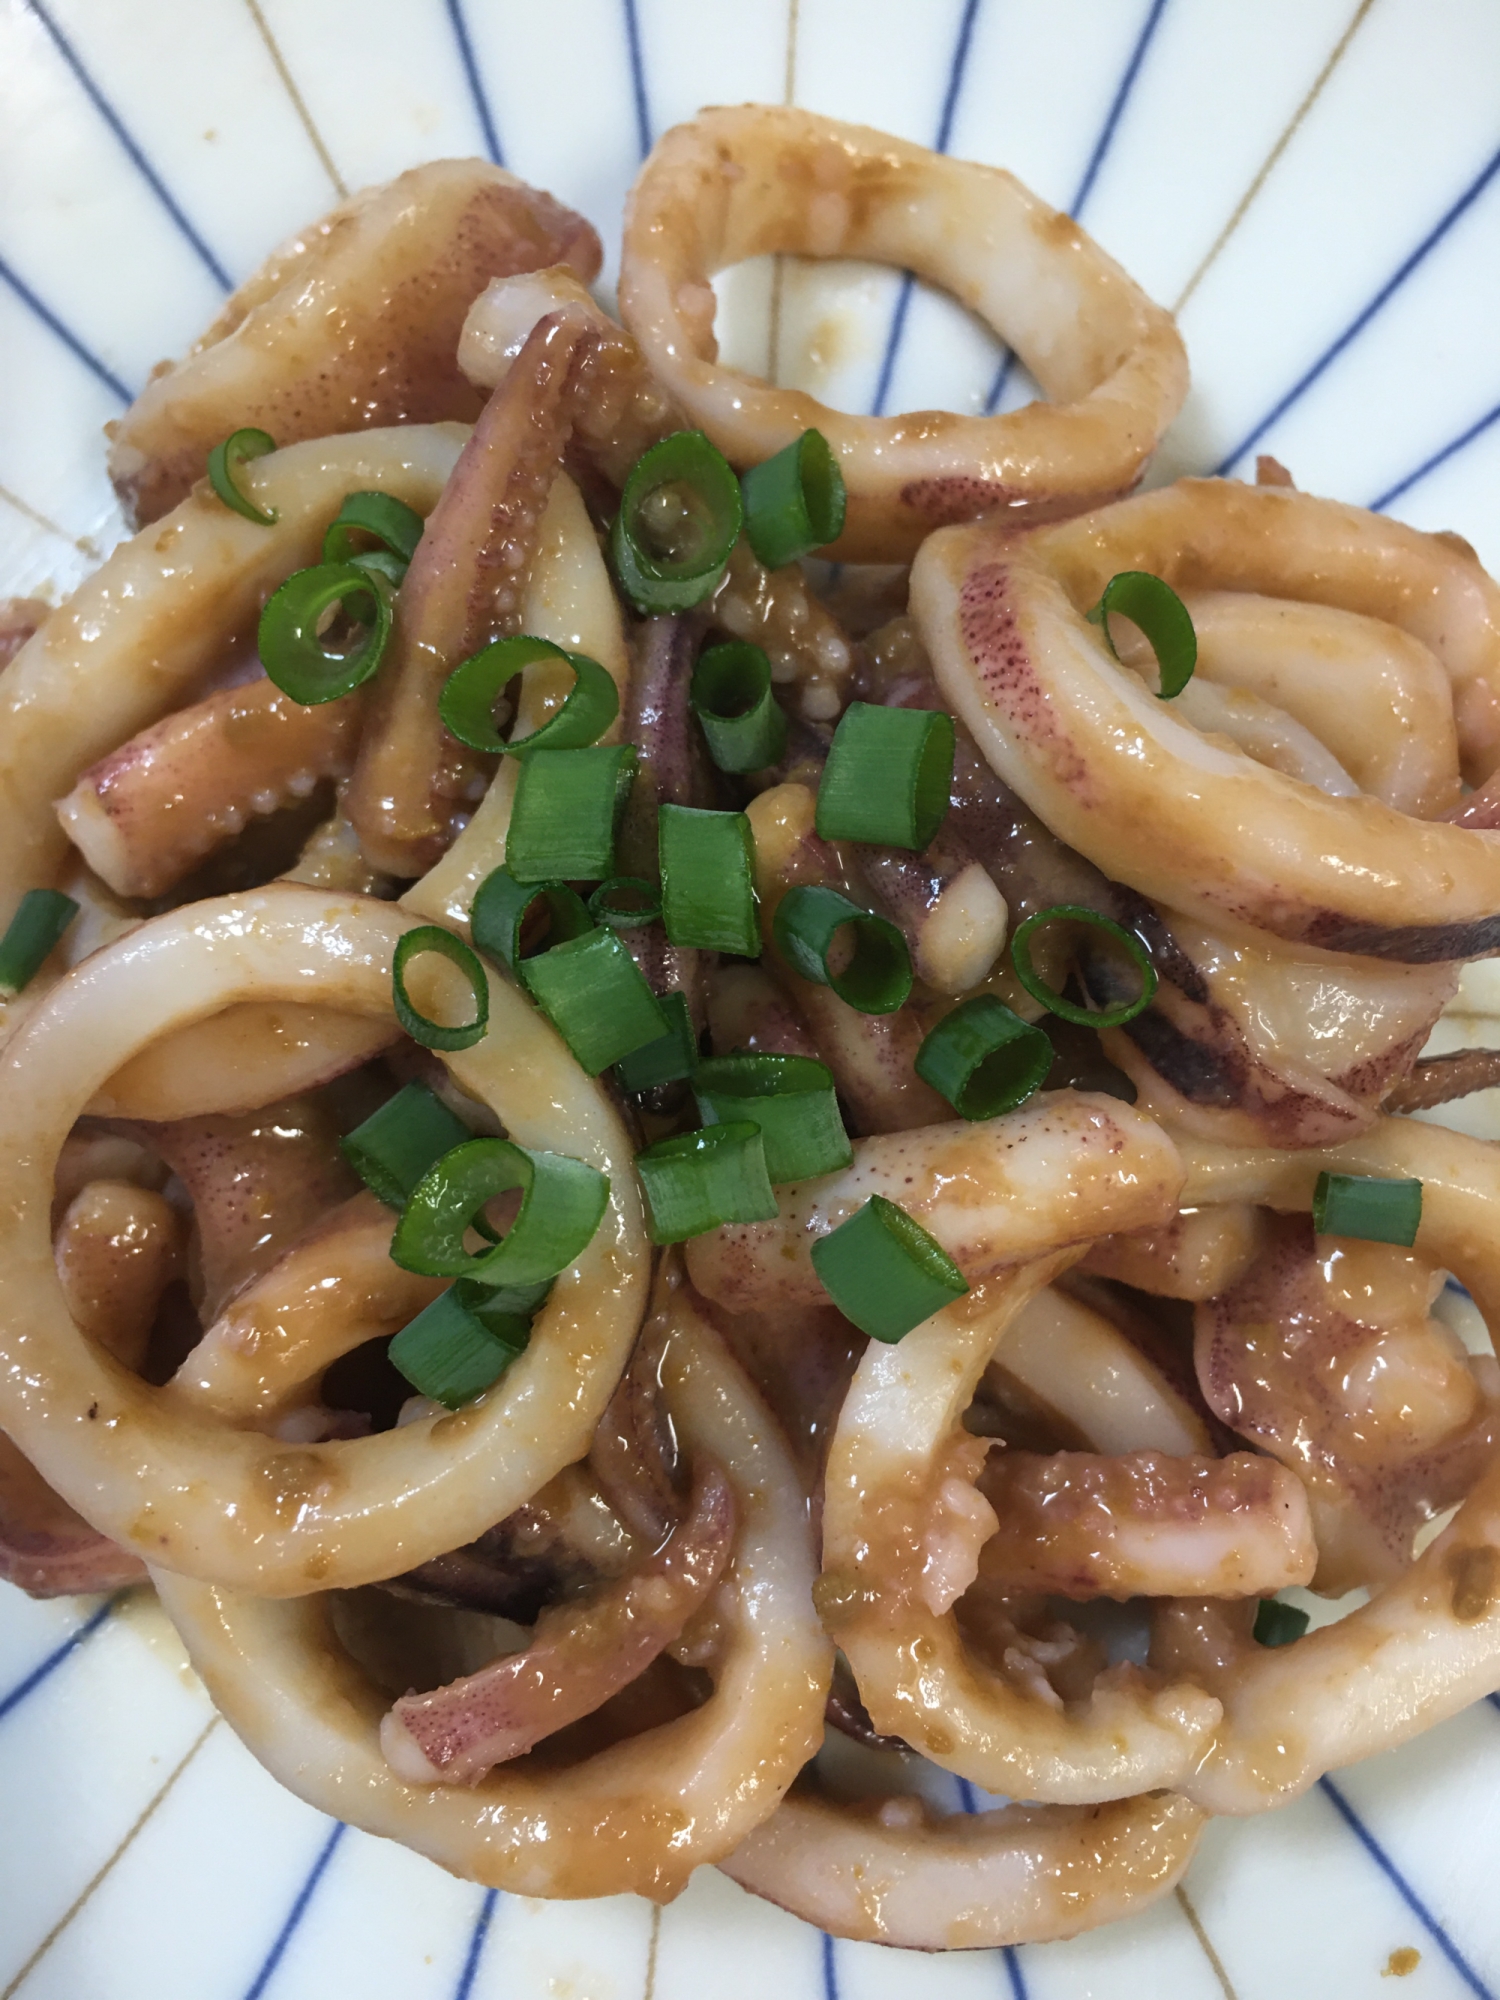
[
  {"x": 739, "y": 183},
  {"x": 1429, "y": 1642},
  {"x": 238, "y": 1060},
  {"x": 890, "y": 1872},
  {"x": 140, "y": 636},
  {"x": 354, "y": 322},
  {"x": 637, "y": 1816},
  {"x": 1185, "y": 818},
  {"x": 235, "y": 1506}
]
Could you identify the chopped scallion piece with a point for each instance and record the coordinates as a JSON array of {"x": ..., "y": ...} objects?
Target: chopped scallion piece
[
  {"x": 41, "y": 917},
  {"x": 504, "y": 908},
  {"x": 224, "y": 463},
  {"x": 595, "y": 995},
  {"x": 708, "y": 880},
  {"x": 669, "y": 1058},
  {"x": 568, "y": 804},
  {"x": 983, "y": 1058},
  {"x": 433, "y": 1034},
  {"x": 888, "y": 776},
  {"x": 699, "y": 1180},
  {"x": 625, "y": 903},
  {"x": 397, "y": 527},
  {"x": 680, "y": 515},
  {"x": 1161, "y": 614},
  {"x": 562, "y": 1202},
  {"x": 1050, "y": 998},
  {"x": 398, "y": 1143},
  {"x": 1376, "y": 1210},
  {"x": 743, "y": 724},
  {"x": 1278, "y": 1624},
  {"x": 451, "y": 1354},
  {"x": 794, "y": 502},
  {"x": 876, "y": 978},
  {"x": 884, "y": 1272},
  {"x": 468, "y": 698},
  {"x": 791, "y": 1099},
  {"x": 292, "y": 652}
]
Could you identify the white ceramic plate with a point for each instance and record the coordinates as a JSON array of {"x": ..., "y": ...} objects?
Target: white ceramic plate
[{"x": 1316, "y": 185}]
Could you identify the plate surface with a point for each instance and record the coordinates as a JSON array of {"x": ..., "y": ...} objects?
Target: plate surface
[{"x": 1315, "y": 185}]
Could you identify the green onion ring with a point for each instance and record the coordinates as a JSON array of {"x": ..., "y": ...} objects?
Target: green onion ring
[
  {"x": 1161, "y": 614},
  {"x": 667, "y": 1059},
  {"x": 432, "y": 1034},
  {"x": 791, "y": 1099},
  {"x": 597, "y": 998},
  {"x": 501, "y": 906},
  {"x": 888, "y": 776},
  {"x": 397, "y": 527},
  {"x": 1066, "y": 1010},
  {"x": 877, "y": 979},
  {"x": 396, "y": 1145},
  {"x": 468, "y": 698},
  {"x": 225, "y": 460},
  {"x": 656, "y": 582},
  {"x": 1278, "y": 1624},
  {"x": 698, "y": 1181},
  {"x": 452, "y": 1351},
  {"x": 562, "y": 1204},
  {"x": 1361, "y": 1205},
  {"x": 794, "y": 502},
  {"x": 884, "y": 1272},
  {"x": 290, "y": 649},
  {"x": 742, "y": 722},
  {"x": 605, "y": 905},
  {"x": 567, "y": 806},
  {"x": 41, "y": 917},
  {"x": 984, "y": 1059}
]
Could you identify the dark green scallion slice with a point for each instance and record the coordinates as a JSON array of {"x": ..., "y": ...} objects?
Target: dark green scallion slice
[
  {"x": 41, "y": 917},
  {"x": 468, "y": 698},
  {"x": 680, "y": 515},
  {"x": 700, "y": 1180},
  {"x": 1360, "y": 1205},
  {"x": 794, "y": 502},
  {"x": 791, "y": 1099},
  {"x": 1278, "y": 1624},
  {"x": 394, "y": 525},
  {"x": 625, "y": 903},
  {"x": 708, "y": 895},
  {"x": 224, "y": 463},
  {"x": 669, "y": 1058},
  {"x": 503, "y": 907},
  {"x": 1161, "y": 614},
  {"x": 742, "y": 722},
  {"x": 398, "y": 1143},
  {"x": 877, "y": 977},
  {"x": 595, "y": 995},
  {"x": 433, "y": 1034},
  {"x": 562, "y": 1203},
  {"x": 568, "y": 804},
  {"x": 984, "y": 1059},
  {"x": 453, "y": 1354},
  {"x": 292, "y": 652},
  {"x": 884, "y": 1272},
  {"x": 1055, "y": 1002},
  {"x": 888, "y": 776}
]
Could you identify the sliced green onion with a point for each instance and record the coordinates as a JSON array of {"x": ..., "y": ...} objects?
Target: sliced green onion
[
  {"x": 397, "y": 527},
  {"x": 502, "y": 906},
  {"x": 700, "y": 1180},
  {"x": 433, "y": 1034},
  {"x": 595, "y": 995},
  {"x": 984, "y": 1059},
  {"x": 791, "y": 1099},
  {"x": 496, "y": 1303},
  {"x": 680, "y": 515},
  {"x": 1278, "y": 1624},
  {"x": 562, "y": 1203},
  {"x": 290, "y": 649},
  {"x": 884, "y": 1272},
  {"x": 381, "y": 563},
  {"x": 877, "y": 978},
  {"x": 625, "y": 903},
  {"x": 398, "y": 1143},
  {"x": 1161, "y": 614},
  {"x": 669, "y": 1058},
  {"x": 888, "y": 775},
  {"x": 568, "y": 804},
  {"x": 41, "y": 917},
  {"x": 1358, "y": 1205},
  {"x": 1050, "y": 998},
  {"x": 794, "y": 502},
  {"x": 451, "y": 1354},
  {"x": 708, "y": 880},
  {"x": 742, "y": 722},
  {"x": 224, "y": 462},
  {"x": 467, "y": 701}
]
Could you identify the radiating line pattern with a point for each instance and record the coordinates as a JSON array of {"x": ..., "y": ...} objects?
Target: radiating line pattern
[
  {"x": 298, "y": 101},
  {"x": 63, "y": 332},
  {"x": 830, "y": 1969},
  {"x": 475, "y": 82},
  {"x": 47, "y": 1667},
  {"x": 295, "y": 1914},
  {"x": 637, "y": 77},
  {"x": 131, "y": 146},
  {"x": 477, "y": 1938},
  {"x": 1440, "y": 457}
]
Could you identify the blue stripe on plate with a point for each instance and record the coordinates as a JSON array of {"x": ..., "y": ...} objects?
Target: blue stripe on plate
[
  {"x": 1096, "y": 161},
  {"x": 63, "y": 332},
  {"x": 1439, "y": 457},
  {"x": 1013, "y": 1969},
  {"x": 830, "y": 1971},
  {"x": 122, "y": 132},
  {"x": 475, "y": 1952},
  {"x": 476, "y": 83},
  {"x": 1405, "y": 1891},
  {"x": 295, "y": 1914},
  {"x": 54, "y": 1660},
  {"x": 638, "y": 78},
  {"x": 956, "y": 67},
  {"x": 1362, "y": 318},
  {"x": 1494, "y": 1701}
]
